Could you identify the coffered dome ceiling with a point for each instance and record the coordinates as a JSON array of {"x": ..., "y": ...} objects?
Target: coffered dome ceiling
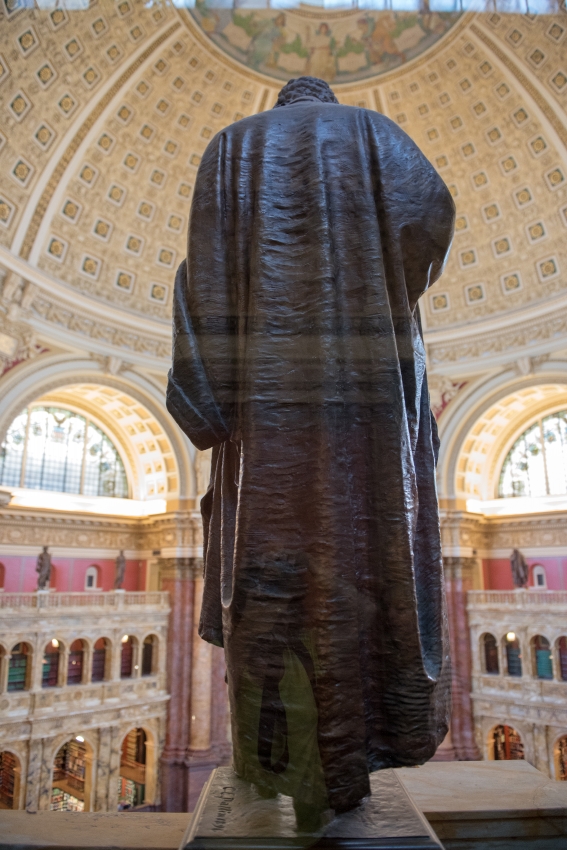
[{"x": 106, "y": 113}]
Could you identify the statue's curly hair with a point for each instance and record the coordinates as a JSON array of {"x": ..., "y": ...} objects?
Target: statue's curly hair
[{"x": 305, "y": 87}]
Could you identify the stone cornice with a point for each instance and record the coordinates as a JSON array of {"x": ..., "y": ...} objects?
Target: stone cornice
[
  {"x": 464, "y": 533},
  {"x": 27, "y": 528},
  {"x": 45, "y": 528},
  {"x": 56, "y": 311},
  {"x": 473, "y": 348},
  {"x": 174, "y": 569},
  {"x": 177, "y": 531}
]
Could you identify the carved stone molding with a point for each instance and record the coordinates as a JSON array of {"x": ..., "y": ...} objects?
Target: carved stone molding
[
  {"x": 527, "y": 532},
  {"x": 442, "y": 391},
  {"x": 498, "y": 347},
  {"x": 37, "y": 302},
  {"x": 32, "y": 529},
  {"x": 461, "y": 529},
  {"x": 179, "y": 529},
  {"x": 50, "y": 311},
  {"x": 460, "y": 568},
  {"x": 164, "y": 531},
  {"x": 180, "y": 568}
]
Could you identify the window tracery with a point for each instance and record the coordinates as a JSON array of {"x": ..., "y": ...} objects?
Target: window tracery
[
  {"x": 536, "y": 465},
  {"x": 52, "y": 448}
]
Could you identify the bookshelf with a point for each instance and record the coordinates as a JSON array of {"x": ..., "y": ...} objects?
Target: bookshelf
[
  {"x": 18, "y": 668},
  {"x": 132, "y": 782},
  {"x": 68, "y": 793},
  {"x": 7, "y": 780}
]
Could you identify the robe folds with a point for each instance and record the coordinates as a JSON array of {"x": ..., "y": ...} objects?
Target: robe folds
[{"x": 298, "y": 357}]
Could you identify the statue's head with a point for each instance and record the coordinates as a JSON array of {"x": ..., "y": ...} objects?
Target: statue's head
[
  {"x": 303, "y": 87},
  {"x": 45, "y": 548}
]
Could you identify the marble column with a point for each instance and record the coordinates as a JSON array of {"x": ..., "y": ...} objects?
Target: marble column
[
  {"x": 200, "y": 758},
  {"x": 114, "y": 768},
  {"x": 4, "y": 666},
  {"x": 221, "y": 739},
  {"x": 48, "y": 753},
  {"x": 64, "y": 650},
  {"x": 18, "y": 784},
  {"x": 541, "y": 754},
  {"x": 36, "y": 674},
  {"x": 87, "y": 663},
  {"x": 177, "y": 575},
  {"x": 151, "y": 772},
  {"x": 102, "y": 770},
  {"x": 116, "y": 657},
  {"x": 459, "y": 574},
  {"x": 200, "y": 738},
  {"x": 445, "y": 751},
  {"x": 33, "y": 774},
  {"x": 90, "y": 781}
]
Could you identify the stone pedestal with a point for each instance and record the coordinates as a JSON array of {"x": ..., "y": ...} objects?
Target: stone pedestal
[{"x": 231, "y": 814}]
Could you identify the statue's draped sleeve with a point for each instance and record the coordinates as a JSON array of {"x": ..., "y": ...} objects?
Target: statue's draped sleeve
[{"x": 201, "y": 389}]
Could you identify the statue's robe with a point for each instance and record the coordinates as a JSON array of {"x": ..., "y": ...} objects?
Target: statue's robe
[{"x": 298, "y": 357}]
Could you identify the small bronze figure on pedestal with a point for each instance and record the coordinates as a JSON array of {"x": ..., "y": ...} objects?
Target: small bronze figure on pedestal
[
  {"x": 43, "y": 569},
  {"x": 120, "y": 569},
  {"x": 519, "y": 569},
  {"x": 298, "y": 357}
]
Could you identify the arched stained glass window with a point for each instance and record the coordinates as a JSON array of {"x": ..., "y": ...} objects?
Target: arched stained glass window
[
  {"x": 50, "y": 448},
  {"x": 536, "y": 465}
]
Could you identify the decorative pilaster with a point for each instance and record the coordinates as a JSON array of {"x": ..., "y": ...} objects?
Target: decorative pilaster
[
  {"x": 219, "y": 750},
  {"x": 209, "y": 746},
  {"x": 197, "y": 727},
  {"x": 459, "y": 579},
  {"x": 177, "y": 576}
]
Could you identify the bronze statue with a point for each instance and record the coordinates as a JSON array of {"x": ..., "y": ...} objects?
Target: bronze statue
[
  {"x": 120, "y": 569},
  {"x": 519, "y": 569},
  {"x": 298, "y": 357},
  {"x": 43, "y": 569}
]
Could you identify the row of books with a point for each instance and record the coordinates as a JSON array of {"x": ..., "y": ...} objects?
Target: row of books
[
  {"x": 61, "y": 801},
  {"x": 130, "y": 793},
  {"x": 7, "y": 768}
]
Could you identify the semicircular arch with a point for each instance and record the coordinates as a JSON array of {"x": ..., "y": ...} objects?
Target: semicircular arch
[
  {"x": 128, "y": 405},
  {"x": 477, "y": 432}
]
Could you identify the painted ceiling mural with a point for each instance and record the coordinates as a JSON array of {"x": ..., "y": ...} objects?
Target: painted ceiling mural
[{"x": 338, "y": 47}]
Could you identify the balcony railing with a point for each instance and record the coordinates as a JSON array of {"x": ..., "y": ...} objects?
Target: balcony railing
[
  {"x": 88, "y": 599},
  {"x": 517, "y": 598}
]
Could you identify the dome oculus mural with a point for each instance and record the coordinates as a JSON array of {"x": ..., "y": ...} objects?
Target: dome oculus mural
[{"x": 338, "y": 47}]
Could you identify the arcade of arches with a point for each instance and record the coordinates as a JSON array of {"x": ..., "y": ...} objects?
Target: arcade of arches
[{"x": 112, "y": 700}]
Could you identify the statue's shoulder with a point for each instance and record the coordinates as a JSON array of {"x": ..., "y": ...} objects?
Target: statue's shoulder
[
  {"x": 290, "y": 118},
  {"x": 338, "y": 112}
]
